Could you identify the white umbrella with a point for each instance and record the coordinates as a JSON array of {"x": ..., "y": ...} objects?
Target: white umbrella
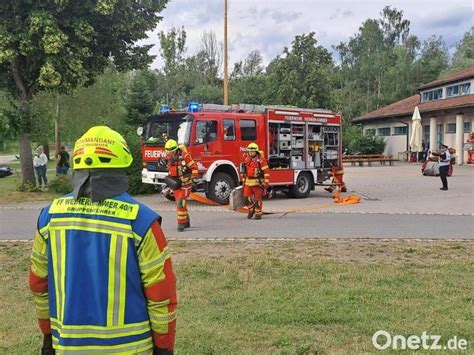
[{"x": 416, "y": 132}]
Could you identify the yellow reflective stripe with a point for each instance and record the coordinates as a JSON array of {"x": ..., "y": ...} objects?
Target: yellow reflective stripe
[
  {"x": 55, "y": 263},
  {"x": 144, "y": 265},
  {"x": 62, "y": 239},
  {"x": 168, "y": 317},
  {"x": 137, "y": 238},
  {"x": 147, "y": 253},
  {"x": 111, "y": 283},
  {"x": 130, "y": 348},
  {"x": 58, "y": 248},
  {"x": 109, "y": 207},
  {"x": 41, "y": 305},
  {"x": 39, "y": 257},
  {"x": 92, "y": 225},
  {"x": 93, "y": 328},
  {"x": 117, "y": 280},
  {"x": 119, "y": 225},
  {"x": 264, "y": 167},
  {"x": 102, "y": 333},
  {"x": 44, "y": 232},
  {"x": 123, "y": 281}
]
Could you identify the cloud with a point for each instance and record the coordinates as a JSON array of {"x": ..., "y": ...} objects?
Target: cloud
[
  {"x": 281, "y": 17},
  {"x": 270, "y": 25}
]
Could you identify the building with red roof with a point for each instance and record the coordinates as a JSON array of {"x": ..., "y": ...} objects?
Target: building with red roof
[{"x": 447, "y": 111}]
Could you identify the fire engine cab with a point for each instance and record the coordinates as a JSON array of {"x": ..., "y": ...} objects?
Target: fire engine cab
[{"x": 302, "y": 146}]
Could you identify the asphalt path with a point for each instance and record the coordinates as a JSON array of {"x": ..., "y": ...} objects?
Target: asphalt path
[{"x": 19, "y": 224}]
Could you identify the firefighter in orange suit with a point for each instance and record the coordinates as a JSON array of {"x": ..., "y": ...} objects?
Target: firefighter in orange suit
[
  {"x": 337, "y": 179},
  {"x": 256, "y": 178},
  {"x": 182, "y": 166}
]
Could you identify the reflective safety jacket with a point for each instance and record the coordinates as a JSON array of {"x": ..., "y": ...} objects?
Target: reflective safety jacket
[
  {"x": 255, "y": 170},
  {"x": 183, "y": 166},
  {"x": 102, "y": 277}
]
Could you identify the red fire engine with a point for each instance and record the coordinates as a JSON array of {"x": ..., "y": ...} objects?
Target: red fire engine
[{"x": 302, "y": 146}]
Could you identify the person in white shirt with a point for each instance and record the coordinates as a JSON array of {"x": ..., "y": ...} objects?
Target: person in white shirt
[
  {"x": 444, "y": 160},
  {"x": 40, "y": 163}
]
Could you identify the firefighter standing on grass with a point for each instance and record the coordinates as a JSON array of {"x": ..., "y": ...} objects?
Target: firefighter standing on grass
[
  {"x": 101, "y": 272},
  {"x": 256, "y": 179},
  {"x": 181, "y": 166}
]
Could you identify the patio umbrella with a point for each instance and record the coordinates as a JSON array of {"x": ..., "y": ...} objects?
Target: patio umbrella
[{"x": 416, "y": 132}]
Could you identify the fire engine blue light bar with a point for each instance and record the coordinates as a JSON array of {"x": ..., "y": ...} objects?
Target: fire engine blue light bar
[{"x": 193, "y": 107}]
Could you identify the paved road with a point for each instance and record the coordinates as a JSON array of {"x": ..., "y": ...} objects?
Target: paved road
[
  {"x": 397, "y": 202},
  {"x": 20, "y": 224}
]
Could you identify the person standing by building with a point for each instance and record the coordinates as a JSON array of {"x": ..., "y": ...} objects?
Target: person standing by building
[
  {"x": 40, "y": 163},
  {"x": 183, "y": 169},
  {"x": 62, "y": 161},
  {"x": 256, "y": 179},
  {"x": 101, "y": 272},
  {"x": 444, "y": 160}
]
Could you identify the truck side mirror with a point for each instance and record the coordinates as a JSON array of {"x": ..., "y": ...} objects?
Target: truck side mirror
[{"x": 140, "y": 131}]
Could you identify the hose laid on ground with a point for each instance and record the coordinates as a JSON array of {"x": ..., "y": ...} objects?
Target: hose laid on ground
[{"x": 338, "y": 199}]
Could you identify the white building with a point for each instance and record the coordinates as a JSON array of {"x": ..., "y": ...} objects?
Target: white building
[{"x": 447, "y": 114}]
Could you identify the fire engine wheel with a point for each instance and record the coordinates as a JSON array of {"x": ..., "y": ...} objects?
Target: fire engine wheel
[
  {"x": 220, "y": 188},
  {"x": 302, "y": 188}
]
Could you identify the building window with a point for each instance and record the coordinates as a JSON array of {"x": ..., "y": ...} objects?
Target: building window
[
  {"x": 467, "y": 127},
  {"x": 399, "y": 131},
  {"x": 450, "y": 128},
  {"x": 431, "y": 95},
  {"x": 248, "y": 131},
  {"x": 426, "y": 133},
  {"x": 370, "y": 131},
  {"x": 458, "y": 90},
  {"x": 383, "y": 131}
]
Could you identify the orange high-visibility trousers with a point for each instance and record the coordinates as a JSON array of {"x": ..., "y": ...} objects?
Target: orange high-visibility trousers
[
  {"x": 254, "y": 199},
  {"x": 181, "y": 196}
]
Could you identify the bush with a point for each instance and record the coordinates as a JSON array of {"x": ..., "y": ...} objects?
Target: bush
[
  {"x": 60, "y": 185},
  {"x": 357, "y": 142}
]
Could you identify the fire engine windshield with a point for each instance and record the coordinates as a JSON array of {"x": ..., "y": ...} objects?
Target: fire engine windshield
[{"x": 164, "y": 127}]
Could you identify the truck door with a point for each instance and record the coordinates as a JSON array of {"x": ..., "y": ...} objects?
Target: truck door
[
  {"x": 230, "y": 148},
  {"x": 206, "y": 145}
]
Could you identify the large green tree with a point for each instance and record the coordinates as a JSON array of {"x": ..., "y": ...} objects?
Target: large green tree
[
  {"x": 302, "y": 75},
  {"x": 54, "y": 45},
  {"x": 464, "y": 55}
]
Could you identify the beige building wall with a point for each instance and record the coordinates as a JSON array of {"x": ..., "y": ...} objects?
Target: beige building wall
[{"x": 398, "y": 143}]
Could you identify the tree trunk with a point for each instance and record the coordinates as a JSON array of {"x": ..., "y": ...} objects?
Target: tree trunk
[
  {"x": 57, "y": 131},
  {"x": 26, "y": 160},
  {"x": 24, "y": 96},
  {"x": 45, "y": 145}
]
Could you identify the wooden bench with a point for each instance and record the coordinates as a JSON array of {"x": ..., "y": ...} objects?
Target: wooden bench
[{"x": 369, "y": 159}]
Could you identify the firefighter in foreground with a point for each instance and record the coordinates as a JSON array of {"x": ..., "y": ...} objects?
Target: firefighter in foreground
[
  {"x": 184, "y": 173},
  {"x": 256, "y": 179},
  {"x": 101, "y": 272}
]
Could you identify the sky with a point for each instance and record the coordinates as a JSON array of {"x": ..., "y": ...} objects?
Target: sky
[{"x": 271, "y": 25}]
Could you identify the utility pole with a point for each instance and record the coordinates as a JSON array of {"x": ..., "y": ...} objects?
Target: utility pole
[{"x": 226, "y": 78}]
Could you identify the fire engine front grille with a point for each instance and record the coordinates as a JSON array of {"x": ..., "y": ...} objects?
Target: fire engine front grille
[{"x": 159, "y": 165}]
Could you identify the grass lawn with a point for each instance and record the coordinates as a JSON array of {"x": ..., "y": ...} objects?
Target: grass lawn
[
  {"x": 305, "y": 297},
  {"x": 9, "y": 184}
]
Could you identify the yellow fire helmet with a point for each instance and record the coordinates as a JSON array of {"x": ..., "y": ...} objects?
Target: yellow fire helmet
[
  {"x": 171, "y": 145},
  {"x": 252, "y": 147},
  {"x": 101, "y": 147}
]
